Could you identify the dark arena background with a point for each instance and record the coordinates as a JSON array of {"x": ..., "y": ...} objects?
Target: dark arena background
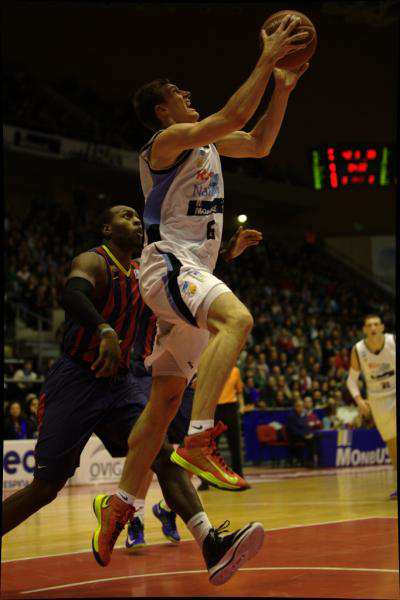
[{"x": 324, "y": 200}]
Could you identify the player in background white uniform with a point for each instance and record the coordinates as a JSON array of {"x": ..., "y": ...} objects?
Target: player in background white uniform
[
  {"x": 183, "y": 223},
  {"x": 375, "y": 358}
]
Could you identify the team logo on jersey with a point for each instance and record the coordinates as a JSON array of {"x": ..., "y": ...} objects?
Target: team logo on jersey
[
  {"x": 189, "y": 288},
  {"x": 197, "y": 275},
  {"x": 208, "y": 186},
  {"x": 205, "y": 207}
]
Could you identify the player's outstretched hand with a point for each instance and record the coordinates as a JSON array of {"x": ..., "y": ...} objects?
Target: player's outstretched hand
[
  {"x": 109, "y": 357},
  {"x": 283, "y": 41},
  {"x": 287, "y": 80},
  {"x": 243, "y": 238}
]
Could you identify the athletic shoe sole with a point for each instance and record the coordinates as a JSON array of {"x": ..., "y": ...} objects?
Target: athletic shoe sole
[
  {"x": 205, "y": 475},
  {"x": 97, "y": 502},
  {"x": 245, "y": 547},
  {"x": 134, "y": 547}
]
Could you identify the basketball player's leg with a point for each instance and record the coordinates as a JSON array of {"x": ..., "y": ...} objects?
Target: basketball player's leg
[
  {"x": 69, "y": 410},
  {"x": 229, "y": 323},
  {"x": 20, "y": 506},
  {"x": 182, "y": 499},
  {"x": 148, "y": 434}
]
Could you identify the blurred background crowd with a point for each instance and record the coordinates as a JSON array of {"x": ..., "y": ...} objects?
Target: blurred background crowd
[{"x": 307, "y": 309}]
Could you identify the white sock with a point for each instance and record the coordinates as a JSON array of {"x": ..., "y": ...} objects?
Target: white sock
[
  {"x": 125, "y": 497},
  {"x": 199, "y": 426},
  {"x": 139, "y": 508},
  {"x": 199, "y": 526}
]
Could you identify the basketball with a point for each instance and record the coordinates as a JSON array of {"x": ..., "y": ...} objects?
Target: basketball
[{"x": 296, "y": 58}]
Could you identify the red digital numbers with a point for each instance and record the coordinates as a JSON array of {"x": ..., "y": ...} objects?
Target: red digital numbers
[{"x": 348, "y": 167}]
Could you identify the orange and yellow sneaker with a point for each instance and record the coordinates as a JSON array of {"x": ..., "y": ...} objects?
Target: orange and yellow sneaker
[
  {"x": 112, "y": 515},
  {"x": 200, "y": 456}
]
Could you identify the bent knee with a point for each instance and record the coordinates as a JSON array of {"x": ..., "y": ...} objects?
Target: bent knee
[{"x": 240, "y": 319}]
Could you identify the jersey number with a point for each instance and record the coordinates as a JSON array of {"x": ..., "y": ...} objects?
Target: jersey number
[{"x": 210, "y": 230}]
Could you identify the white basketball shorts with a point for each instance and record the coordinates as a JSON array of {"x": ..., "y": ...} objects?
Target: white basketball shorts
[
  {"x": 384, "y": 413},
  {"x": 180, "y": 298}
]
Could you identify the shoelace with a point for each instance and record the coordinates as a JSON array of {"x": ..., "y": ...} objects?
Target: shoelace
[
  {"x": 223, "y": 528},
  {"x": 217, "y": 456}
]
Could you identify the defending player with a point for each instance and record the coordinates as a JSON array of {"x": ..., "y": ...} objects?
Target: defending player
[
  {"x": 375, "y": 358},
  {"x": 182, "y": 182},
  {"x": 91, "y": 389}
]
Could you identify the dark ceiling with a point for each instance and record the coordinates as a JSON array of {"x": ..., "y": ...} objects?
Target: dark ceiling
[{"x": 349, "y": 93}]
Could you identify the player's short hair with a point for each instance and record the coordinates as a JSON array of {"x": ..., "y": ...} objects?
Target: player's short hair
[
  {"x": 371, "y": 316},
  {"x": 146, "y": 99}
]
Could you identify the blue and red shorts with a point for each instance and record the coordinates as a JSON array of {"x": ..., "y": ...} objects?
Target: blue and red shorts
[{"x": 74, "y": 405}]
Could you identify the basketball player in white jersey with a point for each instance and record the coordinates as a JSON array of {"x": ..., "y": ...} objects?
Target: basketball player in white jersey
[
  {"x": 198, "y": 315},
  {"x": 375, "y": 358}
]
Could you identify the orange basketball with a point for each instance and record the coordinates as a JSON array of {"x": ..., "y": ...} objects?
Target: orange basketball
[{"x": 297, "y": 58}]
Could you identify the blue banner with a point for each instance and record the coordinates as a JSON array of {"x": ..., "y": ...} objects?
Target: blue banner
[{"x": 336, "y": 448}]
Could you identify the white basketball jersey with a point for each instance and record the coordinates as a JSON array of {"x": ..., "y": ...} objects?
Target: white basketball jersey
[
  {"x": 379, "y": 369},
  {"x": 183, "y": 213}
]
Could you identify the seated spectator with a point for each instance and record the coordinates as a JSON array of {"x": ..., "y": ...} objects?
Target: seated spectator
[
  {"x": 24, "y": 273},
  {"x": 16, "y": 426},
  {"x": 25, "y": 375},
  {"x": 283, "y": 387},
  {"x": 304, "y": 380},
  {"x": 331, "y": 420},
  {"x": 262, "y": 365},
  {"x": 251, "y": 394},
  {"x": 32, "y": 404},
  {"x": 270, "y": 389},
  {"x": 280, "y": 399},
  {"x": 317, "y": 399},
  {"x": 300, "y": 434},
  {"x": 312, "y": 418}
]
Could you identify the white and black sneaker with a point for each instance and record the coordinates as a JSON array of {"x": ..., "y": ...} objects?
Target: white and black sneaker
[{"x": 225, "y": 555}]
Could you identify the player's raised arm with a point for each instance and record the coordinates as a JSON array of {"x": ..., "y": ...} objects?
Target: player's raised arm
[
  {"x": 240, "y": 107},
  {"x": 258, "y": 142}
]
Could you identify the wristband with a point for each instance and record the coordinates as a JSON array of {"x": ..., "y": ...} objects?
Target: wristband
[{"x": 106, "y": 330}]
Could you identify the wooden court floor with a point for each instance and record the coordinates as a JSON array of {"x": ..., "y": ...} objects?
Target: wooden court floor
[{"x": 329, "y": 534}]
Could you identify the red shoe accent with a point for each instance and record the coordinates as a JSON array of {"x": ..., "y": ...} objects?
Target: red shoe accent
[{"x": 201, "y": 456}]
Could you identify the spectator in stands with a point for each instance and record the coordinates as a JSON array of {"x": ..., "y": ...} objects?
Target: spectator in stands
[
  {"x": 24, "y": 273},
  {"x": 251, "y": 394},
  {"x": 331, "y": 420},
  {"x": 25, "y": 376},
  {"x": 16, "y": 426},
  {"x": 300, "y": 434},
  {"x": 312, "y": 418},
  {"x": 32, "y": 404}
]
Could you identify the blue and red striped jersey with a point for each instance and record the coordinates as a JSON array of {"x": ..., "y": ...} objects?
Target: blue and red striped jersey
[{"x": 122, "y": 307}]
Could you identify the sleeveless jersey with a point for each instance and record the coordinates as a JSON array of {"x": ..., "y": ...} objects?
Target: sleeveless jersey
[
  {"x": 183, "y": 212},
  {"x": 379, "y": 369},
  {"x": 121, "y": 306}
]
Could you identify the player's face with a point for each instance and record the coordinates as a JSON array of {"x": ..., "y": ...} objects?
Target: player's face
[
  {"x": 126, "y": 228},
  {"x": 177, "y": 105},
  {"x": 373, "y": 327}
]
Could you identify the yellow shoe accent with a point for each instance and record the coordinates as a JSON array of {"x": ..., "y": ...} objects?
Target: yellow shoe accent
[
  {"x": 100, "y": 501},
  {"x": 177, "y": 459}
]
